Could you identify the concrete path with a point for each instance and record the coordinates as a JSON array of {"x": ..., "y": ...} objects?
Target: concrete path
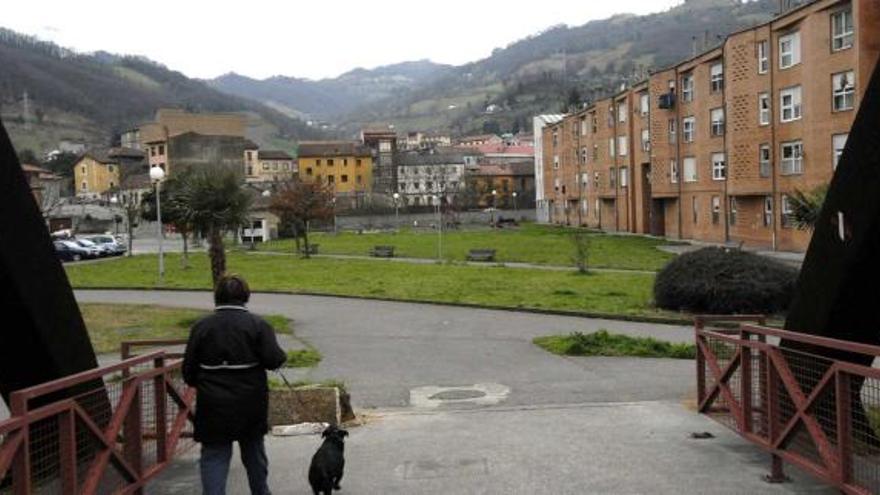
[
  {"x": 543, "y": 423},
  {"x": 431, "y": 261}
]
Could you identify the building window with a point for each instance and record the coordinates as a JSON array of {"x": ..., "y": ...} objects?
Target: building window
[
  {"x": 838, "y": 142},
  {"x": 670, "y": 127},
  {"x": 789, "y": 50},
  {"x": 646, "y": 140},
  {"x": 694, "y": 208},
  {"x": 622, "y": 145},
  {"x": 309, "y": 171},
  {"x": 687, "y": 87},
  {"x": 764, "y": 160},
  {"x": 83, "y": 169},
  {"x": 716, "y": 209},
  {"x": 768, "y": 211},
  {"x": 85, "y": 187},
  {"x": 152, "y": 151},
  {"x": 716, "y": 77},
  {"x": 555, "y": 162},
  {"x": 250, "y": 155},
  {"x": 644, "y": 104},
  {"x": 331, "y": 179},
  {"x": 596, "y": 180},
  {"x": 687, "y": 129},
  {"x": 792, "y": 158},
  {"x": 357, "y": 163},
  {"x": 690, "y": 169},
  {"x": 843, "y": 89},
  {"x": 790, "y": 103},
  {"x": 595, "y": 152},
  {"x": 583, "y": 156},
  {"x": 787, "y": 212},
  {"x": 673, "y": 171},
  {"x": 344, "y": 178},
  {"x": 764, "y": 109},
  {"x": 719, "y": 168},
  {"x": 345, "y": 162},
  {"x": 556, "y": 185},
  {"x": 555, "y": 138},
  {"x": 621, "y": 112},
  {"x": 585, "y": 180},
  {"x": 161, "y": 149},
  {"x": 842, "y": 30},
  {"x": 265, "y": 165},
  {"x": 594, "y": 123},
  {"x": 318, "y": 162},
  {"x": 763, "y": 57},
  {"x": 612, "y": 178},
  {"x": 329, "y": 162},
  {"x": 624, "y": 176},
  {"x": 717, "y": 121},
  {"x": 731, "y": 211},
  {"x": 611, "y": 152},
  {"x": 250, "y": 170}
]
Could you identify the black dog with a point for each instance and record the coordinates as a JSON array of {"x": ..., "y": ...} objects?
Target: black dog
[{"x": 325, "y": 473}]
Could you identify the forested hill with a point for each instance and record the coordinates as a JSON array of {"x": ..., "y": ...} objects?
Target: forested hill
[{"x": 92, "y": 96}]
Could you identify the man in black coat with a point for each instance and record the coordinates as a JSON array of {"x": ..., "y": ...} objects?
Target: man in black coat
[{"x": 226, "y": 359}]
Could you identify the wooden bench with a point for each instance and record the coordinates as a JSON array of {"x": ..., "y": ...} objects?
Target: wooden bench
[
  {"x": 313, "y": 249},
  {"x": 382, "y": 251},
  {"x": 481, "y": 255}
]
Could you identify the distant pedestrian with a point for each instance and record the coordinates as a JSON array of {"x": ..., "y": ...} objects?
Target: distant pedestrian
[{"x": 226, "y": 360}]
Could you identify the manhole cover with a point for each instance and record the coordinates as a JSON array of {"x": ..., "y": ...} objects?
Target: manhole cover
[{"x": 458, "y": 395}]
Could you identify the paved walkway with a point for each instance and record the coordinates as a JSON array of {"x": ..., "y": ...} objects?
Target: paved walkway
[
  {"x": 432, "y": 261},
  {"x": 553, "y": 424}
]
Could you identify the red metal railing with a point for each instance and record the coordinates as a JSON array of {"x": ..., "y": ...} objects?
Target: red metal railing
[
  {"x": 107, "y": 430},
  {"x": 793, "y": 399}
]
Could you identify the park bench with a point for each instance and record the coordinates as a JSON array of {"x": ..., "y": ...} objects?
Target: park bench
[
  {"x": 382, "y": 251},
  {"x": 481, "y": 255},
  {"x": 313, "y": 249}
]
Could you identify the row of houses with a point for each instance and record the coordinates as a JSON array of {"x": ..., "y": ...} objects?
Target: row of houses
[{"x": 714, "y": 147}]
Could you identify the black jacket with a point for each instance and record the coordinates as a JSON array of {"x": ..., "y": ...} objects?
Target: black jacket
[{"x": 226, "y": 359}]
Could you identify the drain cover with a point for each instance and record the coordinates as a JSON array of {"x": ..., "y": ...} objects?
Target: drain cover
[{"x": 459, "y": 394}]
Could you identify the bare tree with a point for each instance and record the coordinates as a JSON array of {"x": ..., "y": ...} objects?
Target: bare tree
[{"x": 303, "y": 202}]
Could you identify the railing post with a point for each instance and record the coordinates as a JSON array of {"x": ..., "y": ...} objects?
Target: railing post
[
  {"x": 21, "y": 463},
  {"x": 133, "y": 435},
  {"x": 160, "y": 398},
  {"x": 67, "y": 451},
  {"x": 777, "y": 473},
  {"x": 843, "y": 392},
  {"x": 701, "y": 361},
  {"x": 746, "y": 384}
]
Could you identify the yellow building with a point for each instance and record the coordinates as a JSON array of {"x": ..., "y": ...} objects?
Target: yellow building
[
  {"x": 345, "y": 165},
  {"x": 98, "y": 170}
]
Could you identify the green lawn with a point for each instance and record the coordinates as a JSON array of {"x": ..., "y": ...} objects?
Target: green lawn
[
  {"x": 111, "y": 324},
  {"x": 530, "y": 243},
  {"x": 602, "y": 343},
  {"x": 605, "y": 293}
]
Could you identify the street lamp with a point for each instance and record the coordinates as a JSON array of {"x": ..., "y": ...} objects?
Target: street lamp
[
  {"x": 114, "y": 202},
  {"x": 334, "y": 215},
  {"x": 396, "y": 197},
  {"x": 494, "y": 203},
  {"x": 514, "y": 200},
  {"x": 157, "y": 175}
]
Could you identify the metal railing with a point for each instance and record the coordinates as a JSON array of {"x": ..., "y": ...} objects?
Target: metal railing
[
  {"x": 800, "y": 397},
  {"x": 107, "y": 430}
]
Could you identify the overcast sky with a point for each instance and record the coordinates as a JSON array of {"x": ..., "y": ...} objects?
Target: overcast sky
[{"x": 303, "y": 38}]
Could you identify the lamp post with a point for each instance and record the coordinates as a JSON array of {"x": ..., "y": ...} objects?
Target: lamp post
[
  {"x": 157, "y": 175},
  {"x": 439, "y": 228},
  {"x": 334, "y": 215},
  {"x": 514, "y": 201},
  {"x": 494, "y": 203},
  {"x": 396, "y": 197},
  {"x": 114, "y": 202}
]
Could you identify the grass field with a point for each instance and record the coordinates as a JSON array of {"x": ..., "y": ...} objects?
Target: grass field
[
  {"x": 626, "y": 294},
  {"x": 111, "y": 324},
  {"x": 530, "y": 244}
]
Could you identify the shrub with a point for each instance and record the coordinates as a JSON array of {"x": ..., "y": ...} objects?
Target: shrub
[
  {"x": 602, "y": 343},
  {"x": 724, "y": 281}
]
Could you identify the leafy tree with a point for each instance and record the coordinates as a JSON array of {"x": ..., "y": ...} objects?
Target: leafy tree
[
  {"x": 62, "y": 163},
  {"x": 574, "y": 98},
  {"x": 580, "y": 242},
  {"x": 303, "y": 202},
  {"x": 213, "y": 202},
  {"x": 806, "y": 206},
  {"x": 28, "y": 156}
]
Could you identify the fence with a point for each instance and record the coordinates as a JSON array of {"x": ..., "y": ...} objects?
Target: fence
[
  {"x": 802, "y": 398},
  {"x": 107, "y": 430}
]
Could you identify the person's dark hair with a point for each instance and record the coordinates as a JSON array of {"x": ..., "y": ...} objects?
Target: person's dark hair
[{"x": 231, "y": 290}]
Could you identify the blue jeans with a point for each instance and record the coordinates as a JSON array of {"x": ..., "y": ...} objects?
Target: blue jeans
[{"x": 214, "y": 466}]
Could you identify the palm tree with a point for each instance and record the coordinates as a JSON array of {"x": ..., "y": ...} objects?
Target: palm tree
[
  {"x": 213, "y": 202},
  {"x": 806, "y": 207}
]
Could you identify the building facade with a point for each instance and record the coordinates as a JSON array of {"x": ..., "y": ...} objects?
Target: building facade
[
  {"x": 421, "y": 176},
  {"x": 101, "y": 169},
  {"x": 712, "y": 148},
  {"x": 268, "y": 165},
  {"x": 346, "y": 166}
]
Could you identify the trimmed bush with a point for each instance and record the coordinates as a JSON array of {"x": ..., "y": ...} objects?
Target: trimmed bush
[{"x": 724, "y": 281}]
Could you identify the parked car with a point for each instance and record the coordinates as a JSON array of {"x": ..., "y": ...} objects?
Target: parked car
[
  {"x": 107, "y": 242},
  {"x": 71, "y": 251},
  {"x": 94, "y": 250}
]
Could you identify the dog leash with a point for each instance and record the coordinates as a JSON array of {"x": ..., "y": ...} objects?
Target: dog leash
[{"x": 291, "y": 388}]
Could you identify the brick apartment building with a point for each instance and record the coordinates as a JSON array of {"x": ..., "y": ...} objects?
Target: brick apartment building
[{"x": 711, "y": 148}]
